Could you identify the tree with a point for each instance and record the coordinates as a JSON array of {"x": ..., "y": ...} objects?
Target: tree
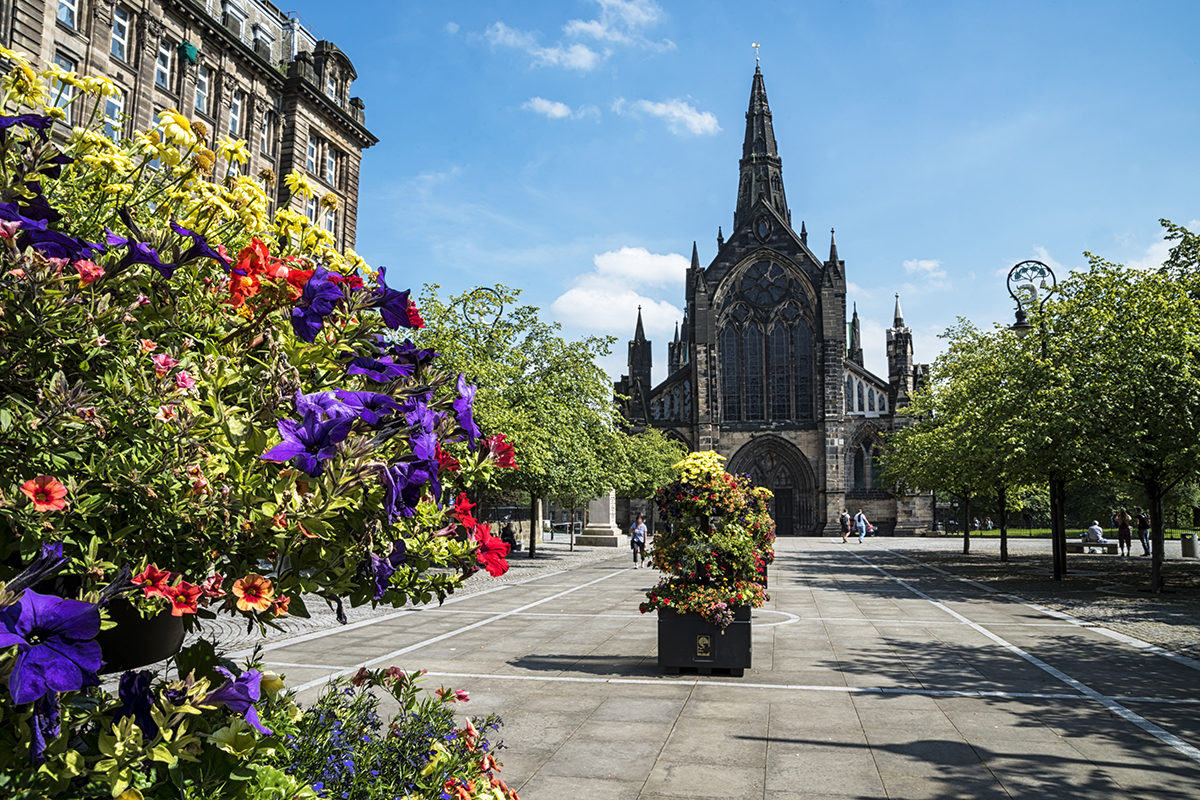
[
  {"x": 1137, "y": 338},
  {"x": 545, "y": 393},
  {"x": 646, "y": 460}
]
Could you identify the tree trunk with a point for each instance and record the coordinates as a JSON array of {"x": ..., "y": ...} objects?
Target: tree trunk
[
  {"x": 535, "y": 528},
  {"x": 1058, "y": 527},
  {"x": 1158, "y": 524},
  {"x": 1002, "y": 500},
  {"x": 966, "y": 524}
]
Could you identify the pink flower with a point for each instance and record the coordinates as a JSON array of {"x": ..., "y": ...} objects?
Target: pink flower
[
  {"x": 9, "y": 228},
  {"x": 184, "y": 381},
  {"x": 88, "y": 271},
  {"x": 142, "y": 300},
  {"x": 166, "y": 414},
  {"x": 58, "y": 264},
  {"x": 163, "y": 362},
  {"x": 101, "y": 340}
]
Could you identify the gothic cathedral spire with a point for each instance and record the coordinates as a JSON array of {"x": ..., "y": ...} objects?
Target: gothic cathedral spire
[{"x": 761, "y": 167}]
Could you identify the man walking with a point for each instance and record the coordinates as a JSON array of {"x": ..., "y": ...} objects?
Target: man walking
[
  {"x": 637, "y": 540},
  {"x": 860, "y": 522},
  {"x": 1143, "y": 526}
]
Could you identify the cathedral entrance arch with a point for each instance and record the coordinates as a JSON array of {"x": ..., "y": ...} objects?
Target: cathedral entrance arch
[{"x": 775, "y": 463}]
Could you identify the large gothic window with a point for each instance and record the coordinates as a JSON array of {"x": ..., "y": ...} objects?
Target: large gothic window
[
  {"x": 802, "y": 361},
  {"x": 752, "y": 372},
  {"x": 730, "y": 374},
  {"x": 779, "y": 374}
]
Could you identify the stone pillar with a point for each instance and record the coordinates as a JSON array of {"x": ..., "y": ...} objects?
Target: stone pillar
[{"x": 602, "y": 529}]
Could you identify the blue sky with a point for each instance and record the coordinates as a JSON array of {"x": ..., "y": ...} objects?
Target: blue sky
[{"x": 575, "y": 149}]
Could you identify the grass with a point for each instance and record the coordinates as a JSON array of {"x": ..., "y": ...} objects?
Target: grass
[{"x": 1044, "y": 533}]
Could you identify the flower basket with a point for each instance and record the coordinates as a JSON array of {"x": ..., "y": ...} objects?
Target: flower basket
[
  {"x": 689, "y": 641},
  {"x": 137, "y": 641}
]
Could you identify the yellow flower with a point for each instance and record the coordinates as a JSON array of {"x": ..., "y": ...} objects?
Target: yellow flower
[
  {"x": 55, "y": 113},
  {"x": 329, "y": 200},
  {"x": 200, "y": 128},
  {"x": 271, "y": 682},
  {"x": 233, "y": 150},
  {"x": 100, "y": 86},
  {"x": 117, "y": 188},
  {"x": 176, "y": 128},
  {"x": 204, "y": 161},
  {"x": 55, "y": 73},
  {"x": 298, "y": 184},
  {"x": 22, "y": 83}
]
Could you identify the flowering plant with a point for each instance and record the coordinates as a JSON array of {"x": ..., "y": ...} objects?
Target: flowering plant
[
  {"x": 208, "y": 409},
  {"x": 718, "y": 543}
]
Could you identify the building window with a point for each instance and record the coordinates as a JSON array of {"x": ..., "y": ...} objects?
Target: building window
[
  {"x": 162, "y": 67},
  {"x": 235, "y": 20},
  {"x": 114, "y": 110},
  {"x": 310, "y": 210},
  {"x": 266, "y": 142},
  {"x": 730, "y": 379},
  {"x": 312, "y": 155},
  {"x": 235, "y": 112},
  {"x": 120, "y": 34},
  {"x": 330, "y": 165},
  {"x": 860, "y": 469},
  {"x": 203, "y": 79},
  {"x": 63, "y": 93},
  {"x": 802, "y": 360},
  {"x": 859, "y": 406},
  {"x": 752, "y": 372},
  {"x": 331, "y": 86},
  {"x": 331, "y": 221},
  {"x": 849, "y": 393},
  {"x": 870, "y": 400},
  {"x": 68, "y": 12},
  {"x": 779, "y": 372}
]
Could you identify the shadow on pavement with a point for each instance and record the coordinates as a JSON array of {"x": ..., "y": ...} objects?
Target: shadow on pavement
[{"x": 614, "y": 666}]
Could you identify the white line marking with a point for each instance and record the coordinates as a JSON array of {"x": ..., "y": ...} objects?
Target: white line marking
[
  {"x": 434, "y": 640},
  {"x": 1112, "y": 705},
  {"x": 1098, "y": 627}
]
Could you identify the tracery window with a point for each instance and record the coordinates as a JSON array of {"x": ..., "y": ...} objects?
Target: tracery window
[
  {"x": 730, "y": 374},
  {"x": 752, "y": 372},
  {"x": 779, "y": 374}
]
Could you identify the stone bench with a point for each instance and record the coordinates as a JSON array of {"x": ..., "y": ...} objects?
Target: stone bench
[{"x": 1078, "y": 547}]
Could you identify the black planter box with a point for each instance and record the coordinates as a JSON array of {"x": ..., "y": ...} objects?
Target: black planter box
[{"x": 688, "y": 641}]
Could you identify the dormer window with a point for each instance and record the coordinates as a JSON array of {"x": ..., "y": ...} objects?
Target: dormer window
[{"x": 331, "y": 86}]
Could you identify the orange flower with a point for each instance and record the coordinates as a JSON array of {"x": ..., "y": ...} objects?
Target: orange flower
[
  {"x": 254, "y": 593},
  {"x": 183, "y": 598},
  {"x": 148, "y": 345},
  {"x": 281, "y": 605},
  {"x": 46, "y": 493}
]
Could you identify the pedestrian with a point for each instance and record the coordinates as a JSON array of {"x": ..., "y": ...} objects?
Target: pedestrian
[
  {"x": 988, "y": 523},
  {"x": 1143, "y": 526},
  {"x": 1124, "y": 534},
  {"x": 977, "y": 524},
  {"x": 637, "y": 540},
  {"x": 844, "y": 520},
  {"x": 860, "y": 522},
  {"x": 1095, "y": 535}
]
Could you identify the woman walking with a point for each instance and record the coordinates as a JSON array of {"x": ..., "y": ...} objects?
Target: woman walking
[
  {"x": 1124, "y": 532},
  {"x": 637, "y": 540}
]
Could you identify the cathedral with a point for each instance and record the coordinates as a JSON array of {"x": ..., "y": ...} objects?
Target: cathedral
[{"x": 766, "y": 370}]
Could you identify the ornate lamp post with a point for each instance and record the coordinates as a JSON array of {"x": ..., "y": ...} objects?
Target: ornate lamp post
[{"x": 1030, "y": 283}]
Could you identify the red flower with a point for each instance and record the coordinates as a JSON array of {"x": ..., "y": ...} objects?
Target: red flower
[
  {"x": 490, "y": 551},
  {"x": 183, "y": 598},
  {"x": 154, "y": 582},
  {"x": 241, "y": 288},
  {"x": 462, "y": 510},
  {"x": 446, "y": 461},
  {"x": 211, "y": 587},
  {"x": 46, "y": 493},
  {"x": 414, "y": 316},
  {"x": 362, "y": 676},
  {"x": 501, "y": 450}
]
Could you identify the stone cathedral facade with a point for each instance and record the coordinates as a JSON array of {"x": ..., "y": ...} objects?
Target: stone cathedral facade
[{"x": 766, "y": 370}]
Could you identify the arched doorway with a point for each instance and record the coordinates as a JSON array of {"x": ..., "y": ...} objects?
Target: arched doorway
[{"x": 775, "y": 463}]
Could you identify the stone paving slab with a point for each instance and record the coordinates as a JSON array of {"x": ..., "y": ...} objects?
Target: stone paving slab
[{"x": 873, "y": 676}]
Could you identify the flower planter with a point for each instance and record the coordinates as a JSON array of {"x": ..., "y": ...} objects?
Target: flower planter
[
  {"x": 688, "y": 641},
  {"x": 136, "y": 641}
]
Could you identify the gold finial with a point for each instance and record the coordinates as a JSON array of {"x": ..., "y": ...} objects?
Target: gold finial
[{"x": 755, "y": 45}]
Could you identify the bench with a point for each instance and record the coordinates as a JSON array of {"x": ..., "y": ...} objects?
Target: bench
[{"x": 1078, "y": 547}]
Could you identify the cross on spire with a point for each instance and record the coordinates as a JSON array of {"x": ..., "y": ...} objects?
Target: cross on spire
[{"x": 755, "y": 45}]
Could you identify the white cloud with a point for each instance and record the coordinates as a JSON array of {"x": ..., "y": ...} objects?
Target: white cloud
[
  {"x": 606, "y": 299},
  {"x": 556, "y": 110},
  {"x": 928, "y": 270},
  {"x": 681, "y": 117},
  {"x": 621, "y": 22},
  {"x": 573, "y": 56},
  {"x": 451, "y": 28},
  {"x": 1043, "y": 255},
  {"x": 547, "y": 108}
]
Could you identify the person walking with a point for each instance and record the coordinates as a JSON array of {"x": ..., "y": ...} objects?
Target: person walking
[
  {"x": 860, "y": 522},
  {"x": 1143, "y": 526},
  {"x": 844, "y": 520},
  {"x": 1124, "y": 533},
  {"x": 637, "y": 540}
]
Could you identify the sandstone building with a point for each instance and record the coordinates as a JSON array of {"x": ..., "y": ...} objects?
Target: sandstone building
[
  {"x": 243, "y": 67},
  {"x": 766, "y": 370}
]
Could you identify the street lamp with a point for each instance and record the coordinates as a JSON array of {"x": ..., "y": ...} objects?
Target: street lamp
[{"x": 1029, "y": 283}]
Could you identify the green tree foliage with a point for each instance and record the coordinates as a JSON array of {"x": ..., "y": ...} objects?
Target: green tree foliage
[{"x": 646, "y": 460}]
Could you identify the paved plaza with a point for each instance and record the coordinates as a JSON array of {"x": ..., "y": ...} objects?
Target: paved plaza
[{"x": 875, "y": 675}]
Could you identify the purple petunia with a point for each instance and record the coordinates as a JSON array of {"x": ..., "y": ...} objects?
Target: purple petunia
[
  {"x": 199, "y": 248},
  {"x": 463, "y": 411},
  {"x": 370, "y": 406},
  {"x": 316, "y": 302},
  {"x": 402, "y": 484},
  {"x": 56, "y": 645},
  {"x": 381, "y": 568},
  {"x": 380, "y": 370},
  {"x": 239, "y": 695},
  {"x": 139, "y": 253},
  {"x": 392, "y": 305},
  {"x": 137, "y": 700},
  {"x": 309, "y": 441},
  {"x": 408, "y": 353},
  {"x": 325, "y": 404}
]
